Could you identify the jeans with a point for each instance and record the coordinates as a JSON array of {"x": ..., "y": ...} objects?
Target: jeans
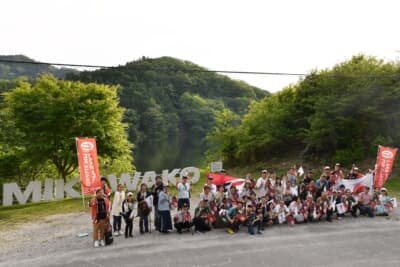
[
  {"x": 251, "y": 228},
  {"x": 116, "y": 223},
  {"x": 366, "y": 210},
  {"x": 144, "y": 223}
]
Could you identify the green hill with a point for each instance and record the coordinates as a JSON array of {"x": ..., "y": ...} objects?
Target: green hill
[
  {"x": 171, "y": 105},
  {"x": 10, "y": 71},
  {"x": 334, "y": 115}
]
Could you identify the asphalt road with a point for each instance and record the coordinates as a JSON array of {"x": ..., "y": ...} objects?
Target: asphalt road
[{"x": 347, "y": 242}]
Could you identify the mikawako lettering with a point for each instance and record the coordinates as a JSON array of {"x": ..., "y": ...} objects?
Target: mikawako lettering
[{"x": 50, "y": 189}]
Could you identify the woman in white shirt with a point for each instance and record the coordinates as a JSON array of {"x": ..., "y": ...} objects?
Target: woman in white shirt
[
  {"x": 116, "y": 209},
  {"x": 207, "y": 194}
]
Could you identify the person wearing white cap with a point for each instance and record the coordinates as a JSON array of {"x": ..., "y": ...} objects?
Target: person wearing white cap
[
  {"x": 384, "y": 203},
  {"x": 354, "y": 173},
  {"x": 210, "y": 183},
  {"x": 261, "y": 184},
  {"x": 336, "y": 175},
  {"x": 184, "y": 190}
]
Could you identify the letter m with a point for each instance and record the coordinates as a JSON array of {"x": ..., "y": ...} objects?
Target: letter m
[{"x": 12, "y": 189}]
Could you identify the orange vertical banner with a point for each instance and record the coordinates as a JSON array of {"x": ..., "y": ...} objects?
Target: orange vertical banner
[
  {"x": 384, "y": 165},
  {"x": 88, "y": 165}
]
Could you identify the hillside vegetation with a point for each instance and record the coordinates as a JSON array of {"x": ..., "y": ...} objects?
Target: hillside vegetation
[
  {"x": 334, "y": 115},
  {"x": 10, "y": 71},
  {"x": 171, "y": 106}
]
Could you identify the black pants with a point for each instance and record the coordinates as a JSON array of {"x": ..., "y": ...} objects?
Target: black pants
[
  {"x": 128, "y": 227},
  {"x": 366, "y": 210},
  {"x": 201, "y": 225},
  {"x": 116, "y": 223},
  {"x": 329, "y": 214},
  {"x": 157, "y": 219},
  {"x": 182, "y": 225},
  {"x": 235, "y": 225},
  {"x": 182, "y": 201},
  {"x": 144, "y": 223}
]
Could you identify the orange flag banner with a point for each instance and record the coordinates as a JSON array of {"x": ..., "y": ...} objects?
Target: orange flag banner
[
  {"x": 88, "y": 165},
  {"x": 384, "y": 164}
]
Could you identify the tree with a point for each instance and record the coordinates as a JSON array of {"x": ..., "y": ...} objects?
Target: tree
[
  {"x": 338, "y": 114},
  {"x": 44, "y": 119}
]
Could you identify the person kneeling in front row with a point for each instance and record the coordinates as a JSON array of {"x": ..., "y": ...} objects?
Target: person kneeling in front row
[{"x": 201, "y": 214}]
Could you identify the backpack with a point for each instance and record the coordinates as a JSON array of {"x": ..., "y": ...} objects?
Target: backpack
[{"x": 108, "y": 234}]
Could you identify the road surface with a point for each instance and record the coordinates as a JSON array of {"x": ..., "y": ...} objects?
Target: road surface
[{"x": 348, "y": 242}]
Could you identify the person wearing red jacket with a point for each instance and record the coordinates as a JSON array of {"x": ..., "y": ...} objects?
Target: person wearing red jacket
[{"x": 100, "y": 213}]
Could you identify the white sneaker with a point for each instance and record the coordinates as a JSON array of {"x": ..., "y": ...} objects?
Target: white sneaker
[
  {"x": 120, "y": 232},
  {"x": 96, "y": 243},
  {"x": 102, "y": 243},
  {"x": 116, "y": 233}
]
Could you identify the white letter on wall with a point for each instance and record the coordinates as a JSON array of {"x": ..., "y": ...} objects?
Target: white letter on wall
[
  {"x": 169, "y": 178},
  {"x": 193, "y": 172},
  {"x": 34, "y": 189}
]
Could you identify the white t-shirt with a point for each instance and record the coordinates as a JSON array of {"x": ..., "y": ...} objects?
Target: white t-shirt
[
  {"x": 116, "y": 208},
  {"x": 261, "y": 185},
  {"x": 209, "y": 197},
  {"x": 278, "y": 209},
  {"x": 213, "y": 188},
  {"x": 183, "y": 190}
]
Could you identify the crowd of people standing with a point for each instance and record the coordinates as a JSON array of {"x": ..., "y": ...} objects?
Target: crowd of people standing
[{"x": 260, "y": 203}]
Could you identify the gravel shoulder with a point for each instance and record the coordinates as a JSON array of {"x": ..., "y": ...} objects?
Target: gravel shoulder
[{"x": 54, "y": 241}]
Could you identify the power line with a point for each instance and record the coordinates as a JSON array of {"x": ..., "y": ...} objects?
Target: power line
[
  {"x": 153, "y": 68},
  {"x": 144, "y": 68}
]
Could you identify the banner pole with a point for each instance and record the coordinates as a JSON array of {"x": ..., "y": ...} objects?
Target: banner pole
[
  {"x": 77, "y": 153},
  {"x": 375, "y": 167}
]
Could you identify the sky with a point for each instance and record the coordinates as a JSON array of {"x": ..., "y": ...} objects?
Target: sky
[{"x": 264, "y": 36}]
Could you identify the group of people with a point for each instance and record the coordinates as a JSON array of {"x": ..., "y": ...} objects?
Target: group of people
[{"x": 259, "y": 203}]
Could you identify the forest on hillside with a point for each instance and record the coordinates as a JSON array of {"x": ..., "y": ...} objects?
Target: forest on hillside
[
  {"x": 176, "y": 113},
  {"x": 171, "y": 106},
  {"x": 11, "y": 71},
  {"x": 340, "y": 114}
]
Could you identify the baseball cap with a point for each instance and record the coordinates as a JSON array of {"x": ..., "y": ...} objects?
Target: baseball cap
[{"x": 130, "y": 194}]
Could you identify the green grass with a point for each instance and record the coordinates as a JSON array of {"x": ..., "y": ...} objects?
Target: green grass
[
  {"x": 17, "y": 214},
  {"x": 393, "y": 187}
]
